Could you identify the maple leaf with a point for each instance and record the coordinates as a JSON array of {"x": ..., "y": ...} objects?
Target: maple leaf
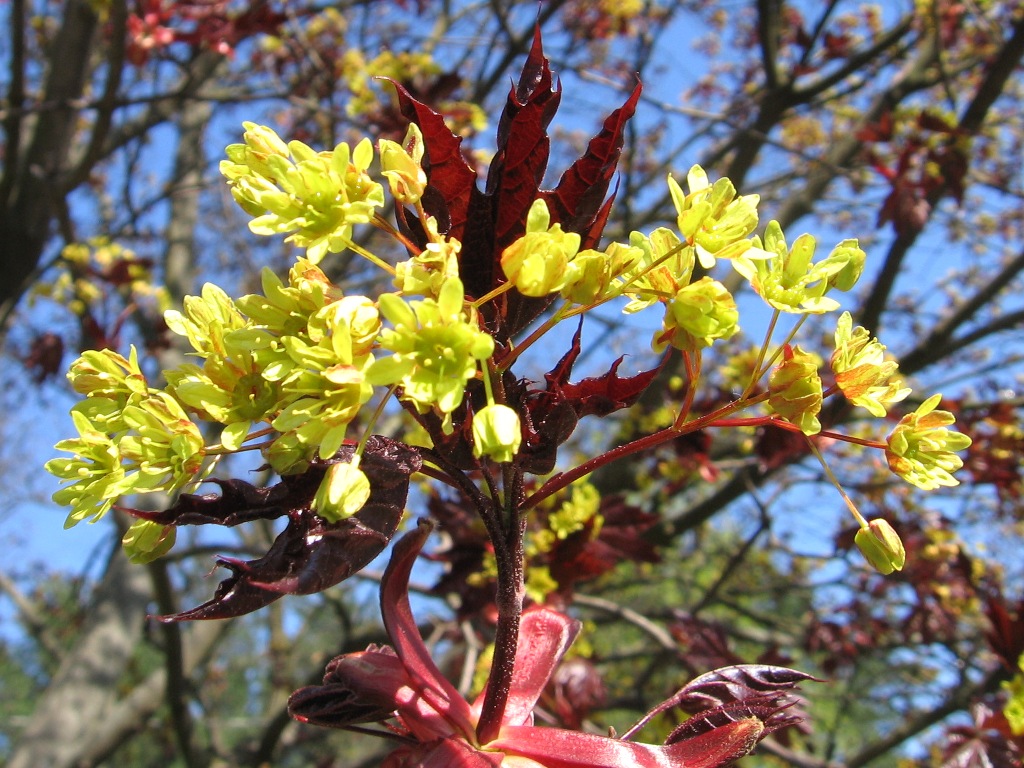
[{"x": 488, "y": 221}]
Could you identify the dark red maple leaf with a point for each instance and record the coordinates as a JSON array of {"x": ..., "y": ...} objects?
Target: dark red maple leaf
[{"x": 487, "y": 221}]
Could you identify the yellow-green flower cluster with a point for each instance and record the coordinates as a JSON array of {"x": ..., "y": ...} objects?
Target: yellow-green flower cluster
[
  {"x": 862, "y": 372},
  {"x": 315, "y": 196},
  {"x": 299, "y": 360},
  {"x": 322, "y": 376},
  {"x": 789, "y": 281},
  {"x": 229, "y": 388},
  {"x": 132, "y": 438},
  {"x": 293, "y": 357},
  {"x": 921, "y": 449}
]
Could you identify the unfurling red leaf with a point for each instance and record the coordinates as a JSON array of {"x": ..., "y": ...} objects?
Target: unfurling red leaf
[{"x": 598, "y": 395}]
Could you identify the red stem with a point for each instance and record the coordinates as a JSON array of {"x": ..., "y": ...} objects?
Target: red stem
[{"x": 511, "y": 589}]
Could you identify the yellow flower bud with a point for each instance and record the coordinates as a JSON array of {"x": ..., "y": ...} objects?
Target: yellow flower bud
[
  {"x": 881, "y": 545},
  {"x": 146, "y": 541},
  {"x": 343, "y": 491},
  {"x": 697, "y": 316},
  {"x": 401, "y": 165},
  {"x": 496, "y": 433}
]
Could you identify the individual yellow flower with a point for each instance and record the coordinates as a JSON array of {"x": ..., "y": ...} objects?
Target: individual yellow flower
[
  {"x": 323, "y": 378},
  {"x": 594, "y": 276},
  {"x": 538, "y": 262},
  {"x": 712, "y": 218},
  {"x": 436, "y": 349},
  {"x": 206, "y": 319},
  {"x": 105, "y": 374},
  {"x": 95, "y": 472},
  {"x": 922, "y": 451},
  {"x": 862, "y": 371},
  {"x": 795, "y": 392},
  {"x": 425, "y": 273},
  {"x": 229, "y": 388},
  {"x": 146, "y": 541},
  {"x": 285, "y": 309},
  {"x": 697, "y": 316},
  {"x": 789, "y": 281},
  {"x": 665, "y": 266},
  {"x": 343, "y": 491},
  {"x": 401, "y": 165}
]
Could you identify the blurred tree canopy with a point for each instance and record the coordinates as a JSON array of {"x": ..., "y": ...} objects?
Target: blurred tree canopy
[{"x": 899, "y": 123}]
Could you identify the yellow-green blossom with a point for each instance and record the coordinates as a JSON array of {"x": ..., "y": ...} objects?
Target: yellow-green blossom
[
  {"x": 149, "y": 445},
  {"x": 594, "y": 276},
  {"x": 423, "y": 275},
  {"x": 162, "y": 444},
  {"x": 712, "y": 218},
  {"x": 538, "y": 262},
  {"x": 402, "y": 166},
  {"x": 862, "y": 371},
  {"x": 1014, "y": 709},
  {"x": 665, "y": 266},
  {"x": 795, "y": 390},
  {"x": 790, "y": 282},
  {"x": 315, "y": 196},
  {"x": 206, "y": 320},
  {"x": 697, "y": 316},
  {"x": 437, "y": 347},
  {"x": 343, "y": 491},
  {"x": 922, "y": 451},
  {"x": 229, "y": 388},
  {"x": 95, "y": 471},
  {"x": 497, "y": 433},
  {"x": 105, "y": 373},
  {"x": 882, "y": 547},
  {"x": 576, "y": 511},
  {"x": 285, "y": 309}
]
